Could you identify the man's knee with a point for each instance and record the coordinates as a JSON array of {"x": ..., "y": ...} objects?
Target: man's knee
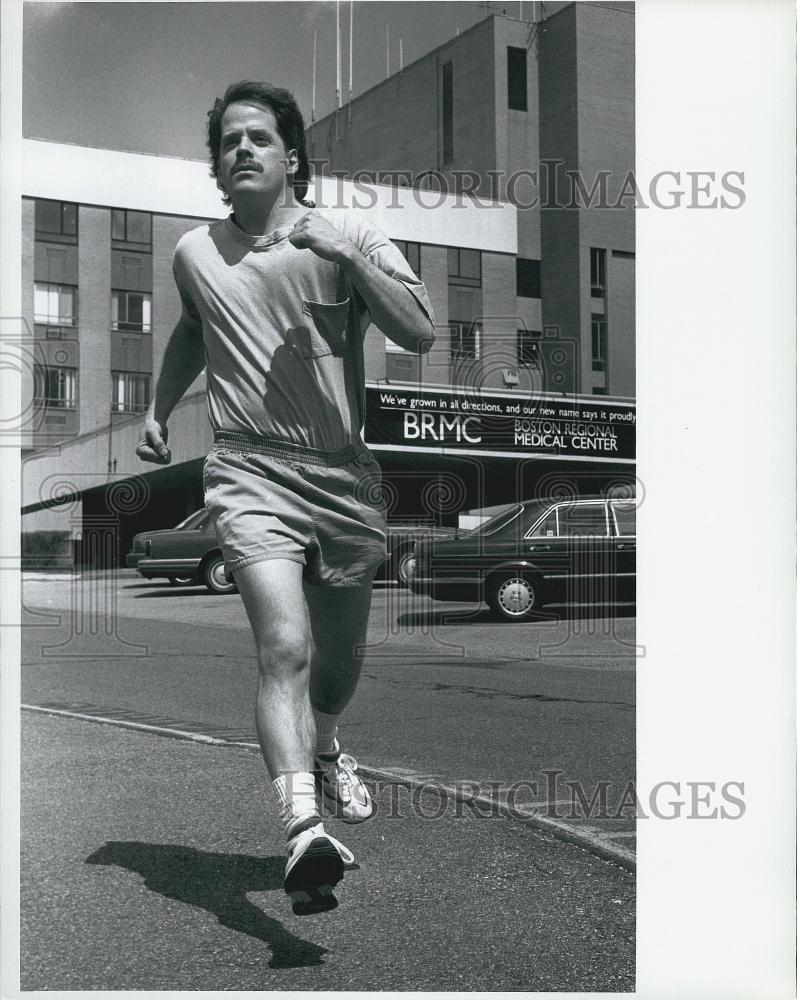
[{"x": 282, "y": 651}]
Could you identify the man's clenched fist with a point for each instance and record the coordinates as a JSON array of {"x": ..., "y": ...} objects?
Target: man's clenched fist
[
  {"x": 152, "y": 443},
  {"x": 313, "y": 232}
]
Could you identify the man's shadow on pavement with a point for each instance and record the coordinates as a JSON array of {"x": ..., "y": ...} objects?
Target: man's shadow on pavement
[{"x": 217, "y": 883}]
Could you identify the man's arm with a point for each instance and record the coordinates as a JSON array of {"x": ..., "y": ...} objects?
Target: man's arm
[
  {"x": 183, "y": 360},
  {"x": 393, "y": 307}
]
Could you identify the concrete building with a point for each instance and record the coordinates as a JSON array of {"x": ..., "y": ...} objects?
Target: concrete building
[
  {"x": 534, "y": 301},
  {"x": 539, "y": 113}
]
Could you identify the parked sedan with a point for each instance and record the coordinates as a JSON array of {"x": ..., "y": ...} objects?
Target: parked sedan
[
  {"x": 534, "y": 553},
  {"x": 401, "y": 539},
  {"x": 188, "y": 553}
]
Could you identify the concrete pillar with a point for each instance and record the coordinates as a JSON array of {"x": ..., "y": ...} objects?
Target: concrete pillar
[{"x": 94, "y": 318}]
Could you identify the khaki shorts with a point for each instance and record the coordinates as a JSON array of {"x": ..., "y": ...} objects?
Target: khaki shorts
[{"x": 273, "y": 500}]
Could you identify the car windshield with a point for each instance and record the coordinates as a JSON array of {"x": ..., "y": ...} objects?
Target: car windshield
[
  {"x": 193, "y": 520},
  {"x": 496, "y": 522}
]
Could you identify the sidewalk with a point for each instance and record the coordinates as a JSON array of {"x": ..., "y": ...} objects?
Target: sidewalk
[{"x": 150, "y": 863}]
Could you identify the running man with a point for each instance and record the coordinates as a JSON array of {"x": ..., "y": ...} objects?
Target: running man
[{"x": 276, "y": 299}]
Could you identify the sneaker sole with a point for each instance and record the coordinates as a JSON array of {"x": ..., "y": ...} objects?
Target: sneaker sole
[{"x": 311, "y": 881}]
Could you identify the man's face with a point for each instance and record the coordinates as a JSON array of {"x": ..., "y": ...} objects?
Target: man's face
[{"x": 252, "y": 156}]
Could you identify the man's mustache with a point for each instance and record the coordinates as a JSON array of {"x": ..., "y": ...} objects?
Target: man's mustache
[{"x": 247, "y": 165}]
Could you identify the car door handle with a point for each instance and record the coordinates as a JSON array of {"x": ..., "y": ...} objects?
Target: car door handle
[
  {"x": 539, "y": 548},
  {"x": 627, "y": 545}
]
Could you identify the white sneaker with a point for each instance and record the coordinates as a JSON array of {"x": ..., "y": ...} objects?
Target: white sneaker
[
  {"x": 343, "y": 792},
  {"x": 314, "y": 867}
]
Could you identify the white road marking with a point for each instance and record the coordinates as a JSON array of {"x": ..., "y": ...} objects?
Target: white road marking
[
  {"x": 584, "y": 836},
  {"x": 180, "y": 734}
]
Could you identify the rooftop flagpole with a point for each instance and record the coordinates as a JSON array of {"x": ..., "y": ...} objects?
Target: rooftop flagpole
[
  {"x": 337, "y": 66},
  {"x": 337, "y": 53},
  {"x": 315, "y": 51},
  {"x": 351, "y": 51}
]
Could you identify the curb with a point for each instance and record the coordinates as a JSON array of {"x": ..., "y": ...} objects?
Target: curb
[{"x": 524, "y": 814}]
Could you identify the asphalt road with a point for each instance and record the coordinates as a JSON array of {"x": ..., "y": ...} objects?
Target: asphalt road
[{"x": 444, "y": 899}]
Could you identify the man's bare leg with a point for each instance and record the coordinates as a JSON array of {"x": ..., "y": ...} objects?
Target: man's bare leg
[
  {"x": 272, "y": 594},
  {"x": 339, "y": 623}
]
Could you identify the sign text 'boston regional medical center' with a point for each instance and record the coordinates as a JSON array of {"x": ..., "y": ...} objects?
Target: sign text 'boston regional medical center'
[{"x": 440, "y": 420}]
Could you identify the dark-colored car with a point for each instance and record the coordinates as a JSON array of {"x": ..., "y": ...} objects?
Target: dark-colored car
[
  {"x": 401, "y": 539},
  {"x": 186, "y": 554},
  {"x": 534, "y": 553},
  {"x": 189, "y": 553}
]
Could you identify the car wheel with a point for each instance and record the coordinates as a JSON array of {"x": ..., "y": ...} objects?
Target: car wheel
[
  {"x": 181, "y": 581},
  {"x": 214, "y": 577},
  {"x": 514, "y": 597},
  {"x": 404, "y": 566}
]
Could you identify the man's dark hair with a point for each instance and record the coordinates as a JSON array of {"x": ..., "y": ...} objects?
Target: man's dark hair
[{"x": 290, "y": 126}]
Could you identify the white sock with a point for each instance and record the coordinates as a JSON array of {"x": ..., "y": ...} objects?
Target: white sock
[
  {"x": 326, "y": 729},
  {"x": 296, "y": 794}
]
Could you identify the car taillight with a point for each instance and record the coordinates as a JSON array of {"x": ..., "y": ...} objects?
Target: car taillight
[{"x": 148, "y": 546}]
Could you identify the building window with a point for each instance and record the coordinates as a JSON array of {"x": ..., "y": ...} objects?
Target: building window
[
  {"x": 412, "y": 254},
  {"x": 597, "y": 272},
  {"x": 465, "y": 340},
  {"x": 402, "y": 367},
  {"x": 447, "y": 95},
  {"x": 56, "y": 221},
  {"x": 464, "y": 267},
  {"x": 55, "y": 387},
  {"x": 54, "y": 304},
  {"x": 131, "y": 227},
  {"x": 598, "y": 343},
  {"x": 130, "y": 392},
  {"x": 528, "y": 278},
  {"x": 516, "y": 78},
  {"x": 131, "y": 311},
  {"x": 528, "y": 348}
]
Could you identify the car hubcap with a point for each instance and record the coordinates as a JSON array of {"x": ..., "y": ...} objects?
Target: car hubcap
[
  {"x": 407, "y": 569},
  {"x": 515, "y": 597},
  {"x": 217, "y": 576}
]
